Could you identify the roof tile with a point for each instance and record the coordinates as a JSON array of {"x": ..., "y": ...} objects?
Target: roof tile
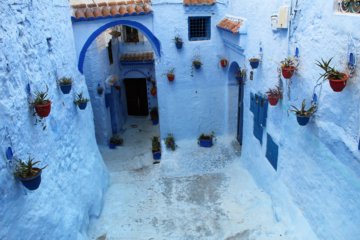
[
  {"x": 112, "y": 8},
  {"x": 231, "y": 25},
  {"x": 198, "y": 2}
]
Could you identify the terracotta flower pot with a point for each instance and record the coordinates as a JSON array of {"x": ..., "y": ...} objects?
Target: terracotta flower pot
[
  {"x": 153, "y": 91},
  {"x": 223, "y": 63},
  {"x": 288, "y": 72},
  {"x": 43, "y": 110},
  {"x": 171, "y": 77},
  {"x": 273, "y": 100},
  {"x": 339, "y": 84}
]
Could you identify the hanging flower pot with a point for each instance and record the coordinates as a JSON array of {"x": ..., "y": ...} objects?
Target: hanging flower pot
[
  {"x": 303, "y": 115},
  {"x": 302, "y": 120},
  {"x": 288, "y": 72},
  {"x": 100, "y": 89},
  {"x": 117, "y": 87},
  {"x": 153, "y": 91},
  {"x": 178, "y": 42},
  {"x": 339, "y": 84},
  {"x": 197, "y": 64},
  {"x": 29, "y": 175},
  {"x": 224, "y": 63},
  {"x": 65, "y": 85},
  {"x": 288, "y": 67},
  {"x": 43, "y": 110},
  {"x": 171, "y": 77},
  {"x": 274, "y": 95},
  {"x": 336, "y": 78},
  {"x": 254, "y": 63},
  {"x": 154, "y": 115},
  {"x": 206, "y": 141},
  {"x": 80, "y": 101},
  {"x": 240, "y": 75}
]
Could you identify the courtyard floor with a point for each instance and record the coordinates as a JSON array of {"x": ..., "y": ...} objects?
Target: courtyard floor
[{"x": 194, "y": 193}]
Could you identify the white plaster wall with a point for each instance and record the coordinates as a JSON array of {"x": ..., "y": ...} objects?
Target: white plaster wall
[
  {"x": 74, "y": 182},
  {"x": 318, "y": 164}
]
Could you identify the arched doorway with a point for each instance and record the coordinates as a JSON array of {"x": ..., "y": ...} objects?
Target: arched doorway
[
  {"x": 236, "y": 102},
  {"x": 127, "y": 98},
  {"x": 149, "y": 35}
]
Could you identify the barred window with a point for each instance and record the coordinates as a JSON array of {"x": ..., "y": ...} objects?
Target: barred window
[{"x": 199, "y": 28}]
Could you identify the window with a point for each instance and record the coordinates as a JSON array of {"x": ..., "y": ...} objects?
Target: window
[
  {"x": 111, "y": 59},
  {"x": 199, "y": 28},
  {"x": 131, "y": 35}
]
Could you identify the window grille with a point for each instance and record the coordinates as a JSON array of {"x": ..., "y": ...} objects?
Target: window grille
[{"x": 199, "y": 28}]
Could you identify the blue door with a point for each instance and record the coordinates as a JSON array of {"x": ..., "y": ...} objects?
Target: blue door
[{"x": 240, "y": 113}]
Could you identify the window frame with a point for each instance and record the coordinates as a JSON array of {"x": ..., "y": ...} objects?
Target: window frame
[{"x": 207, "y": 30}]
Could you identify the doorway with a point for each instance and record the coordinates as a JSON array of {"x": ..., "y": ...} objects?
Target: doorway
[
  {"x": 240, "y": 124},
  {"x": 136, "y": 96}
]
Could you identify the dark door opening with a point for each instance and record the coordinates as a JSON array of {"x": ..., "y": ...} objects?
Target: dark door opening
[
  {"x": 240, "y": 113},
  {"x": 136, "y": 96}
]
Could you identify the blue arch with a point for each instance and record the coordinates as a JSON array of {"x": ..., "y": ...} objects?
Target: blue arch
[{"x": 148, "y": 34}]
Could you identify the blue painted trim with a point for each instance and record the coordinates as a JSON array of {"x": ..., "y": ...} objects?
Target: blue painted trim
[
  {"x": 272, "y": 152},
  {"x": 148, "y": 34}
]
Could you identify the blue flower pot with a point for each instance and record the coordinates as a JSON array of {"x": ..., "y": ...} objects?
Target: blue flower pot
[
  {"x": 155, "y": 121},
  {"x": 82, "y": 106},
  {"x": 65, "y": 88},
  {"x": 197, "y": 66},
  {"x": 302, "y": 120},
  {"x": 32, "y": 183},
  {"x": 179, "y": 45},
  {"x": 206, "y": 143},
  {"x": 157, "y": 155},
  {"x": 112, "y": 146},
  {"x": 254, "y": 65}
]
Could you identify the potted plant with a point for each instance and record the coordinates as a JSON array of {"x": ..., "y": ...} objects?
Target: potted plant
[
  {"x": 117, "y": 87},
  {"x": 254, "y": 62},
  {"x": 29, "y": 175},
  {"x": 100, "y": 89},
  {"x": 170, "y": 75},
  {"x": 115, "y": 141},
  {"x": 206, "y": 140},
  {"x": 196, "y": 63},
  {"x": 153, "y": 91},
  {"x": 178, "y": 42},
  {"x": 303, "y": 115},
  {"x": 274, "y": 95},
  {"x": 154, "y": 115},
  {"x": 170, "y": 142},
  {"x": 156, "y": 149},
  {"x": 65, "y": 85},
  {"x": 336, "y": 78},
  {"x": 240, "y": 75},
  {"x": 224, "y": 62},
  {"x": 80, "y": 101},
  {"x": 42, "y": 104},
  {"x": 288, "y": 67}
]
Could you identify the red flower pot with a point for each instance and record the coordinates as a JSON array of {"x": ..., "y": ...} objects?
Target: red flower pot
[
  {"x": 171, "y": 77},
  {"x": 153, "y": 91},
  {"x": 117, "y": 87},
  {"x": 288, "y": 72},
  {"x": 273, "y": 100},
  {"x": 223, "y": 63},
  {"x": 339, "y": 84},
  {"x": 43, "y": 110}
]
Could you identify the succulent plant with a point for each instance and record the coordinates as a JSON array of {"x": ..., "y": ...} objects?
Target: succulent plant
[
  {"x": 170, "y": 142},
  {"x": 26, "y": 169},
  {"x": 156, "y": 146},
  {"x": 80, "y": 99},
  {"x": 65, "y": 81},
  {"x": 275, "y": 92},
  {"x": 302, "y": 111},
  {"x": 289, "y": 62},
  {"x": 329, "y": 72}
]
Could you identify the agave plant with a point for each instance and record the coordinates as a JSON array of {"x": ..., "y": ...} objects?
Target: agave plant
[
  {"x": 26, "y": 169},
  {"x": 329, "y": 72},
  {"x": 80, "y": 99},
  {"x": 178, "y": 39},
  {"x": 41, "y": 98},
  {"x": 302, "y": 111},
  {"x": 275, "y": 92},
  {"x": 65, "y": 81},
  {"x": 289, "y": 62}
]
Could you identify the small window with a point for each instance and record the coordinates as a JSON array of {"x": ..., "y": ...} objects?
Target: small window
[
  {"x": 131, "y": 35},
  {"x": 199, "y": 28}
]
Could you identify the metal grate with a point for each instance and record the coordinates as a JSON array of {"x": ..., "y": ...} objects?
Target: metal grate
[{"x": 199, "y": 28}]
